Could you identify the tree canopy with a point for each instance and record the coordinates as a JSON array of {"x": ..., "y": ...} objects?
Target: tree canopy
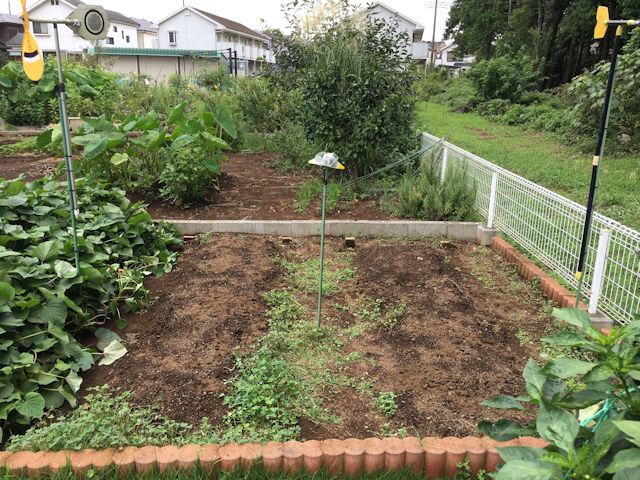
[{"x": 558, "y": 34}]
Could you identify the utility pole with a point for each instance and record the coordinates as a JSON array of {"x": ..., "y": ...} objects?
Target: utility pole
[{"x": 433, "y": 36}]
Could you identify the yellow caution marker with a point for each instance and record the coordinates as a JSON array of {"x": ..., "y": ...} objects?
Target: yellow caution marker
[
  {"x": 578, "y": 276},
  {"x": 32, "y": 61},
  {"x": 596, "y": 160},
  {"x": 602, "y": 18}
]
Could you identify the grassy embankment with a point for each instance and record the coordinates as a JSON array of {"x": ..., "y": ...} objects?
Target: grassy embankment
[{"x": 541, "y": 158}]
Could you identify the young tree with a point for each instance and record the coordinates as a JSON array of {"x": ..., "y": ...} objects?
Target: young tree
[{"x": 356, "y": 92}]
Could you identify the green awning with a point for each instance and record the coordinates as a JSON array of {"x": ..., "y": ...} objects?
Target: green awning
[{"x": 155, "y": 52}]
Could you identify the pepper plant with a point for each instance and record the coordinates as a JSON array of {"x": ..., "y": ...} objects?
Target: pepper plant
[{"x": 588, "y": 411}]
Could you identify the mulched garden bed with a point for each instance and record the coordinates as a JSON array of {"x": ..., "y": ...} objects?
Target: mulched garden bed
[{"x": 454, "y": 346}]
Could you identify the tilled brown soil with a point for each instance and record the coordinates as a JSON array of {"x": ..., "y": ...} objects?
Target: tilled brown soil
[
  {"x": 454, "y": 347},
  {"x": 247, "y": 190},
  {"x": 250, "y": 191},
  {"x": 33, "y": 166}
]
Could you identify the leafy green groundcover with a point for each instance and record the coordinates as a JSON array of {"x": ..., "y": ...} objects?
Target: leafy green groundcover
[{"x": 44, "y": 302}]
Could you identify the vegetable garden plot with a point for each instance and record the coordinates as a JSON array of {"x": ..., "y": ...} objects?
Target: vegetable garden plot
[
  {"x": 247, "y": 190},
  {"x": 414, "y": 337}
]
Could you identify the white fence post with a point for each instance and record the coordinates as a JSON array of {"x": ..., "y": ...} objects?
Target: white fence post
[
  {"x": 599, "y": 270},
  {"x": 492, "y": 199},
  {"x": 445, "y": 157}
]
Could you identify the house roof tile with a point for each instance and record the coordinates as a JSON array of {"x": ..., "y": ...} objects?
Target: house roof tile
[
  {"x": 12, "y": 19},
  {"x": 231, "y": 25},
  {"x": 145, "y": 25}
]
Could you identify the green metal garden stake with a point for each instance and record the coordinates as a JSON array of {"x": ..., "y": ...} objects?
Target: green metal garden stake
[
  {"x": 325, "y": 160},
  {"x": 324, "y": 209},
  {"x": 602, "y": 23},
  {"x": 66, "y": 144}
]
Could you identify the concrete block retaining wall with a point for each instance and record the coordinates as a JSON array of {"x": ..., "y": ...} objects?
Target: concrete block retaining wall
[
  {"x": 462, "y": 231},
  {"x": 435, "y": 456}
]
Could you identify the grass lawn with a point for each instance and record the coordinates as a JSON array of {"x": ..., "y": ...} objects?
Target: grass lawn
[
  {"x": 541, "y": 158},
  {"x": 254, "y": 473}
]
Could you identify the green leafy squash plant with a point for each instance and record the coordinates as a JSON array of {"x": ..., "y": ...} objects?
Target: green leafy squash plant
[
  {"x": 44, "y": 302},
  {"x": 606, "y": 444}
]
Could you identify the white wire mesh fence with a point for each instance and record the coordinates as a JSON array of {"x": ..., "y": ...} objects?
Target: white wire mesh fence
[{"x": 549, "y": 227}]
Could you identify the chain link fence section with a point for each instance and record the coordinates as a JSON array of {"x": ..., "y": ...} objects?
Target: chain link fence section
[{"x": 549, "y": 227}]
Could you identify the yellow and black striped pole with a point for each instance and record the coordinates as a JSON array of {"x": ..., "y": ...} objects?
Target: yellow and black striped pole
[{"x": 602, "y": 24}]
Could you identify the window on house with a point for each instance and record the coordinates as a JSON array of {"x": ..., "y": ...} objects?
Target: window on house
[
  {"x": 109, "y": 41},
  {"x": 128, "y": 41},
  {"x": 172, "y": 37},
  {"x": 115, "y": 29},
  {"x": 41, "y": 28},
  {"x": 55, "y": 2},
  {"x": 123, "y": 34}
]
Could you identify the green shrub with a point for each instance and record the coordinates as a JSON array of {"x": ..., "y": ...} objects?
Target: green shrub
[
  {"x": 588, "y": 92},
  {"x": 215, "y": 78},
  {"x": 257, "y": 101},
  {"x": 495, "y": 107},
  {"x": 460, "y": 94},
  {"x": 32, "y": 109},
  {"x": 293, "y": 149},
  {"x": 421, "y": 194},
  {"x": 186, "y": 178},
  {"x": 356, "y": 92},
  {"x": 182, "y": 153},
  {"x": 23, "y": 102},
  {"x": 431, "y": 83},
  {"x": 44, "y": 302},
  {"x": 508, "y": 77}
]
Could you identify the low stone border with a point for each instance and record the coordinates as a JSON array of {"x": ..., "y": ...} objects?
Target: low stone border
[
  {"x": 462, "y": 231},
  {"x": 17, "y": 134},
  {"x": 527, "y": 269},
  {"x": 435, "y": 456}
]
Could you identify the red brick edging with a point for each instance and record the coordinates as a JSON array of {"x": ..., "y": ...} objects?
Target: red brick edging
[
  {"x": 436, "y": 456},
  {"x": 527, "y": 269}
]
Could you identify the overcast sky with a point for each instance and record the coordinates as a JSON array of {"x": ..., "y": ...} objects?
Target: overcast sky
[{"x": 250, "y": 12}]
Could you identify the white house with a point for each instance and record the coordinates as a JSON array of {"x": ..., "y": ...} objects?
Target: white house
[
  {"x": 419, "y": 50},
  {"x": 446, "y": 57},
  {"x": 147, "y": 33},
  {"x": 122, "y": 31},
  {"x": 194, "y": 29}
]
